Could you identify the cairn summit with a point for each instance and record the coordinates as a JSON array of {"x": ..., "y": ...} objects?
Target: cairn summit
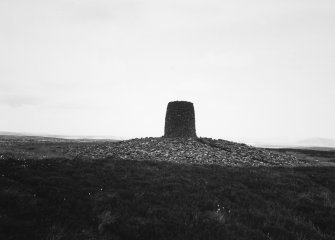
[{"x": 180, "y": 120}]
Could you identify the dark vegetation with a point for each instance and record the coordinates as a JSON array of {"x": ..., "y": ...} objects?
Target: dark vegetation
[{"x": 110, "y": 198}]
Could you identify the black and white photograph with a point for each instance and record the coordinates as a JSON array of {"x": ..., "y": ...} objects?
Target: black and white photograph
[{"x": 174, "y": 119}]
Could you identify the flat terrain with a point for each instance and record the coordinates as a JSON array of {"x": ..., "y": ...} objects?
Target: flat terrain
[
  {"x": 52, "y": 189},
  {"x": 320, "y": 156}
]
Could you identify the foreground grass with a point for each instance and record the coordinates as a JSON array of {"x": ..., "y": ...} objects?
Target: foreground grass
[{"x": 121, "y": 199}]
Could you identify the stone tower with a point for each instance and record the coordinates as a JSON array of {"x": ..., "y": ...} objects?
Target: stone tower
[{"x": 180, "y": 120}]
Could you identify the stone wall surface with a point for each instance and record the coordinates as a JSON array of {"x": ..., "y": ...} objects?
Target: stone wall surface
[{"x": 180, "y": 120}]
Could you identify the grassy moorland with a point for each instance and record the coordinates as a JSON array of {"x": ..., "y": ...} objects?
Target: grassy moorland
[
  {"x": 122, "y": 199},
  {"x": 323, "y": 156}
]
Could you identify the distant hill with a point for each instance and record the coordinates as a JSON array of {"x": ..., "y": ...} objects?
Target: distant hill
[
  {"x": 53, "y": 136},
  {"x": 310, "y": 143},
  {"x": 317, "y": 142}
]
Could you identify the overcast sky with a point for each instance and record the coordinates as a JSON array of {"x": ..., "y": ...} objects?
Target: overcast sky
[{"x": 257, "y": 70}]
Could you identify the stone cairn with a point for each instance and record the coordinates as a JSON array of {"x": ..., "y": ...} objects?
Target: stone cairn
[
  {"x": 180, "y": 144},
  {"x": 180, "y": 120}
]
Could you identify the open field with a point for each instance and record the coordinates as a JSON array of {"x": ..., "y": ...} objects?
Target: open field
[
  {"x": 31, "y": 147},
  {"x": 48, "y": 191},
  {"x": 322, "y": 156}
]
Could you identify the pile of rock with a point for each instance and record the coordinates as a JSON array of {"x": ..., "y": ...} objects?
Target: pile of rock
[
  {"x": 193, "y": 150},
  {"x": 178, "y": 150}
]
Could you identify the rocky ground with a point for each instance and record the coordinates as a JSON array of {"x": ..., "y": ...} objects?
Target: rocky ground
[
  {"x": 198, "y": 151},
  {"x": 178, "y": 150}
]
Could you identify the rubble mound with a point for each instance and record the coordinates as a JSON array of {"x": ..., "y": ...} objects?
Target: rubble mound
[{"x": 195, "y": 151}]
